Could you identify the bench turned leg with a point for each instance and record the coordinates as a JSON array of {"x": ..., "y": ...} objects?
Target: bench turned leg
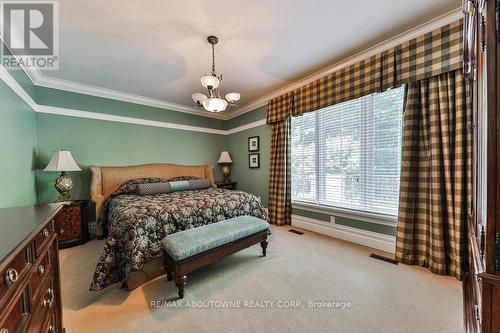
[
  {"x": 264, "y": 247},
  {"x": 167, "y": 266},
  {"x": 180, "y": 282}
]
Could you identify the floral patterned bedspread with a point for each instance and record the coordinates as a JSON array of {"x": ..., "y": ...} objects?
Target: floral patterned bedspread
[{"x": 136, "y": 224}]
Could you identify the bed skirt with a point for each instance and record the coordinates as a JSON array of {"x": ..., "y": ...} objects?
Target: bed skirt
[{"x": 151, "y": 270}]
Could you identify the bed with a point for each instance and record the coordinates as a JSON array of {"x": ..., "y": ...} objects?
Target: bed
[{"x": 135, "y": 224}]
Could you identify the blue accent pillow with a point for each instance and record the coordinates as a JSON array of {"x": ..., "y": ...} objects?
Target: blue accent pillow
[
  {"x": 173, "y": 186},
  {"x": 181, "y": 185}
]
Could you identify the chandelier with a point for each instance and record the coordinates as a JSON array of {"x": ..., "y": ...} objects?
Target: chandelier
[{"x": 212, "y": 102}]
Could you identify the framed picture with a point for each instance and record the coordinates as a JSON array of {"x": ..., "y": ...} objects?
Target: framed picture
[
  {"x": 253, "y": 143},
  {"x": 254, "y": 161}
]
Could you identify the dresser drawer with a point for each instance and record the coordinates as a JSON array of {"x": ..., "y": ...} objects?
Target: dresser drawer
[
  {"x": 14, "y": 272},
  {"x": 43, "y": 237},
  {"x": 44, "y": 307},
  {"x": 50, "y": 326},
  {"x": 41, "y": 270},
  {"x": 13, "y": 317},
  {"x": 69, "y": 222}
]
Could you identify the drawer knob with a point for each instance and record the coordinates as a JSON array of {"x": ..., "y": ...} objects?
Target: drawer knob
[
  {"x": 4, "y": 330},
  {"x": 46, "y": 233},
  {"x": 11, "y": 276},
  {"x": 52, "y": 329},
  {"x": 48, "y": 303},
  {"x": 61, "y": 231},
  {"x": 41, "y": 270}
]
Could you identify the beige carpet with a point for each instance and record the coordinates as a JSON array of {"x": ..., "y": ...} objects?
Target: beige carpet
[{"x": 383, "y": 297}]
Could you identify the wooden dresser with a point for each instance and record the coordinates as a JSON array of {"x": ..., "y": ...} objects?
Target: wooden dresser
[
  {"x": 30, "y": 292},
  {"x": 481, "y": 284}
]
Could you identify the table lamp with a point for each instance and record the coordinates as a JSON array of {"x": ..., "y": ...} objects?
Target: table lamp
[
  {"x": 62, "y": 161},
  {"x": 225, "y": 161}
]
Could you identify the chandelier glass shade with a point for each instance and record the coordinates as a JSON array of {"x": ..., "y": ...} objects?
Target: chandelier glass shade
[
  {"x": 214, "y": 104},
  {"x": 210, "y": 81},
  {"x": 212, "y": 101}
]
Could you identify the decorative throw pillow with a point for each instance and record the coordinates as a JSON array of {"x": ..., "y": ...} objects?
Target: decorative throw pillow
[
  {"x": 181, "y": 185},
  {"x": 200, "y": 184},
  {"x": 153, "y": 188},
  {"x": 173, "y": 186}
]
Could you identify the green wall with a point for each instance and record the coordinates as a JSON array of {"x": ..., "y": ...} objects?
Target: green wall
[
  {"x": 250, "y": 180},
  {"x": 17, "y": 148},
  {"x": 96, "y": 142},
  {"x": 246, "y": 118}
]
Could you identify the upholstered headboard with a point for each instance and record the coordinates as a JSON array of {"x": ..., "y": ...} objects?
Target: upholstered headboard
[{"x": 106, "y": 180}]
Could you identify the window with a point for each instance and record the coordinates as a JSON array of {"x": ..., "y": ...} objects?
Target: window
[{"x": 349, "y": 155}]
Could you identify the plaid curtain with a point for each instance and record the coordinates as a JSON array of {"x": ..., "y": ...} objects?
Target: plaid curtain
[
  {"x": 280, "y": 200},
  {"x": 436, "y": 182},
  {"x": 434, "y": 53}
]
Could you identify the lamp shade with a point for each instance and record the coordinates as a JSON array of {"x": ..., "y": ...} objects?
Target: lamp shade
[
  {"x": 233, "y": 97},
  {"x": 224, "y": 158},
  {"x": 198, "y": 98},
  {"x": 215, "y": 104},
  {"x": 210, "y": 81},
  {"x": 62, "y": 161}
]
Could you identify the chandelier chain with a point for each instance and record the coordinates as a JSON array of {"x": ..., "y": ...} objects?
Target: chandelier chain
[{"x": 213, "y": 59}]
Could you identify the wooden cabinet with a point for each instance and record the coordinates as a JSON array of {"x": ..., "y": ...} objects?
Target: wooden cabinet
[
  {"x": 30, "y": 293},
  {"x": 481, "y": 282},
  {"x": 72, "y": 224}
]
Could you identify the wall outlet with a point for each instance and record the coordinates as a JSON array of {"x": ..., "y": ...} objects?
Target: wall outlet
[{"x": 332, "y": 219}]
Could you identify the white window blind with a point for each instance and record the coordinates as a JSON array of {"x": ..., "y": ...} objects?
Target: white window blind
[{"x": 349, "y": 155}]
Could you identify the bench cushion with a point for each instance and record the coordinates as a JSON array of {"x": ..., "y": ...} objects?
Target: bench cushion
[{"x": 187, "y": 243}]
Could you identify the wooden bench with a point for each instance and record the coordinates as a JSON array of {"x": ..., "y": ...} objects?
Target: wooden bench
[{"x": 191, "y": 249}]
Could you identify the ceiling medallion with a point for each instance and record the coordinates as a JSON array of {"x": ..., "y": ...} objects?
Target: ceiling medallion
[{"x": 213, "y": 102}]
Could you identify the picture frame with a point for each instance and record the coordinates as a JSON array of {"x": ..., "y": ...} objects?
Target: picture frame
[
  {"x": 254, "y": 161},
  {"x": 254, "y": 143}
]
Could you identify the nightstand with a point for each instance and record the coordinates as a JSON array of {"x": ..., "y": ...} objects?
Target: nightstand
[
  {"x": 72, "y": 224},
  {"x": 227, "y": 186}
]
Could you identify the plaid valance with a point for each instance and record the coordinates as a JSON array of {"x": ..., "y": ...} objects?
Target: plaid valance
[{"x": 436, "y": 52}]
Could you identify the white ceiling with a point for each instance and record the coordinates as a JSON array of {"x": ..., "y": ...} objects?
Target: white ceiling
[{"x": 158, "y": 48}]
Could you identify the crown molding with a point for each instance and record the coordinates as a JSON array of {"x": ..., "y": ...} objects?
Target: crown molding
[
  {"x": 44, "y": 81},
  {"x": 18, "y": 89},
  {"x": 39, "y": 79},
  {"x": 438, "y": 22}
]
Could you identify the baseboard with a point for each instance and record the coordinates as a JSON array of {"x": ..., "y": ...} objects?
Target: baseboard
[{"x": 367, "y": 238}]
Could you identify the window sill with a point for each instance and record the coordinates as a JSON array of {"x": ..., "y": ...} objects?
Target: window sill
[{"x": 382, "y": 219}]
